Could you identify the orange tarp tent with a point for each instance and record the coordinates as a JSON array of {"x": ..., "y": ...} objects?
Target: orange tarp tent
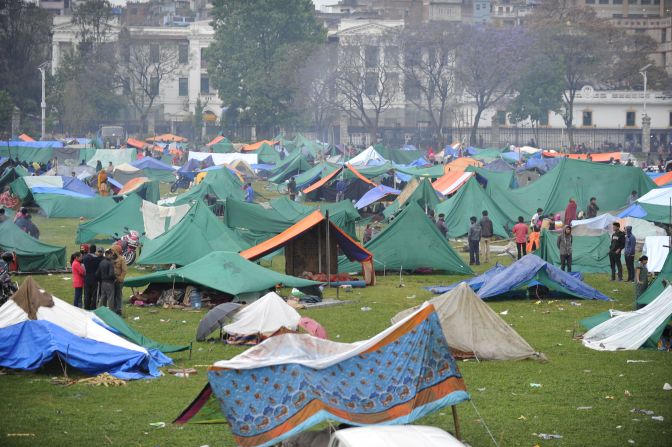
[
  {"x": 168, "y": 138},
  {"x": 27, "y": 138},
  {"x": 451, "y": 182},
  {"x": 460, "y": 164},
  {"x": 254, "y": 146},
  {"x": 132, "y": 185},
  {"x": 327, "y": 178},
  {"x": 664, "y": 179},
  {"x": 136, "y": 143},
  {"x": 215, "y": 140},
  {"x": 597, "y": 157},
  {"x": 351, "y": 248}
]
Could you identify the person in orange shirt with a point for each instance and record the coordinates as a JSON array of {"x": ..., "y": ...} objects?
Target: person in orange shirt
[
  {"x": 103, "y": 187},
  {"x": 520, "y": 231}
]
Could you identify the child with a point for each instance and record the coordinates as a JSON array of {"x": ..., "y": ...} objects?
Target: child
[
  {"x": 641, "y": 277},
  {"x": 77, "y": 277}
]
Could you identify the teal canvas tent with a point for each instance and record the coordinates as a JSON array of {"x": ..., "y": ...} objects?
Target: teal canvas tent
[
  {"x": 124, "y": 214},
  {"x": 32, "y": 255},
  {"x": 590, "y": 254}
]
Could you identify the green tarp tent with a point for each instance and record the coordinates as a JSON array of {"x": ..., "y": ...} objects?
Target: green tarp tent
[
  {"x": 581, "y": 180},
  {"x": 434, "y": 171},
  {"x": 590, "y": 254},
  {"x": 32, "y": 255},
  {"x": 398, "y": 156},
  {"x": 471, "y": 200},
  {"x": 223, "y": 146},
  {"x": 11, "y": 174},
  {"x": 315, "y": 173},
  {"x": 224, "y": 271},
  {"x": 124, "y": 214},
  {"x": 196, "y": 235},
  {"x": 119, "y": 325},
  {"x": 221, "y": 183},
  {"x": 294, "y": 165},
  {"x": 424, "y": 195},
  {"x": 410, "y": 242},
  {"x": 27, "y": 154},
  {"x": 159, "y": 175},
  {"x": 501, "y": 180},
  {"x": 57, "y": 205}
]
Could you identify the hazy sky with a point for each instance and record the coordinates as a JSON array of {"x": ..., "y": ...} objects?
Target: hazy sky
[{"x": 318, "y": 3}]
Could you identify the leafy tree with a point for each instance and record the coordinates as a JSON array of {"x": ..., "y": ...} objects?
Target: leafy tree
[
  {"x": 25, "y": 40},
  {"x": 93, "y": 19},
  {"x": 487, "y": 64},
  {"x": 539, "y": 91},
  {"x": 429, "y": 71},
  {"x": 259, "y": 48},
  {"x": 6, "y": 109}
]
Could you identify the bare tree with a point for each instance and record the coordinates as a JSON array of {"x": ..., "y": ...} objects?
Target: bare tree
[
  {"x": 487, "y": 64},
  {"x": 428, "y": 66},
  {"x": 94, "y": 21},
  {"x": 366, "y": 85},
  {"x": 315, "y": 89},
  {"x": 146, "y": 66}
]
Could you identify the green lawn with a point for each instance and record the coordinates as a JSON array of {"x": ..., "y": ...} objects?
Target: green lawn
[{"x": 574, "y": 376}]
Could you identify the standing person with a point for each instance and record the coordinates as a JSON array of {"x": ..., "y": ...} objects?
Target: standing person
[
  {"x": 3, "y": 217},
  {"x": 570, "y": 212},
  {"x": 565, "y": 247},
  {"x": 486, "y": 236},
  {"x": 340, "y": 190},
  {"x": 78, "y": 274},
  {"x": 474, "y": 239},
  {"x": 441, "y": 225},
  {"x": 536, "y": 218},
  {"x": 110, "y": 169},
  {"x": 119, "y": 274},
  {"x": 291, "y": 189},
  {"x": 31, "y": 228},
  {"x": 520, "y": 232},
  {"x": 106, "y": 277},
  {"x": 23, "y": 212},
  {"x": 629, "y": 252},
  {"x": 249, "y": 193},
  {"x": 617, "y": 245},
  {"x": 368, "y": 234},
  {"x": 99, "y": 166},
  {"x": 91, "y": 262},
  {"x": 632, "y": 198},
  {"x": 641, "y": 277},
  {"x": 592, "y": 208},
  {"x": 103, "y": 187}
]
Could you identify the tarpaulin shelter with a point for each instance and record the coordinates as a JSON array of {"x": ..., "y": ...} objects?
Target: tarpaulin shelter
[
  {"x": 472, "y": 200},
  {"x": 120, "y": 327},
  {"x": 653, "y": 206},
  {"x": 419, "y": 191},
  {"x": 597, "y": 157},
  {"x": 532, "y": 268},
  {"x": 226, "y": 272},
  {"x": 399, "y": 156},
  {"x": 263, "y": 318},
  {"x": 294, "y": 165},
  {"x": 664, "y": 179},
  {"x": 473, "y": 329},
  {"x": 32, "y": 255},
  {"x": 134, "y": 142},
  {"x": 375, "y": 194},
  {"x": 159, "y": 219},
  {"x": 499, "y": 165},
  {"x": 254, "y": 146},
  {"x": 9, "y": 175},
  {"x": 590, "y": 254},
  {"x": 461, "y": 164},
  {"x": 223, "y": 159},
  {"x": 116, "y": 156},
  {"x": 311, "y": 245},
  {"x": 306, "y": 388},
  {"x": 581, "y": 180},
  {"x": 656, "y": 287},
  {"x": 626, "y": 331},
  {"x": 142, "y": 186},
  {"x": 198, "y": 233},
  {"x": 656, "y": 248},
  {"x": 24, "y": 137},
  {"x": 27, "y": 187},
  {"x": 356, "y": 184},
  {"x": 58, "y": 205},
  {"x": 411, "y": 242},
  {"x": 168, "y": 138},
  {"x": 221, "y": 145},
  {"x": 154, "y": 169},
  {"x": 494, "y": 179},
  {"x": 267, "y": 154},
  {"x": 126, "y": 213},
  {"x": 316, "y": 172},
  {"x": 475, "y": 282},
  {"x": 451, "y": 181},
  {"x": 369, "y": 156},
  {"x": 35, "y": 327}
]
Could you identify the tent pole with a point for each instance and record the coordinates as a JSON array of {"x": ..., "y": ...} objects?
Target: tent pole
[
  {"x": 328, "y": 249},
  {"x": 319, "y": 249},
  {"x": 456, "y": 421}
]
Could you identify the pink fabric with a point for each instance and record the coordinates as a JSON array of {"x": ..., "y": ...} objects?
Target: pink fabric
[
  {"x": 77, "y": 274},
  {"x": 313, "y": 327},
  {"x": 520, "y": 230}
]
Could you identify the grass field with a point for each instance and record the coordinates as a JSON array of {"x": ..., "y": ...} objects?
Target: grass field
[{"x": 574, "y": 376}]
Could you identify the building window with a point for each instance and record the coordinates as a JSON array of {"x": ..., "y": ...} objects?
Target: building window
[
  {"x": 587, "y": 118},
  {"x": 411, "y": 89},
  {"x": 670, "y": 123},
  {"x": 590, "y": 2},
  {"x": 204, "y": 61},
  {"x": 154, "y": 86},
  {"x": 543, "y": 120},
  {"x": 392, "y": 55},
  {"x": 183, "y": 52},
  {"x": 370, "y": 84},
  {"x": 183, "y": 86},
  {"x": 617, "y": 2},
  {"x": 646, "y": 2},
  {"x": 501, "y": 117},
  {"x": 629, "y": 118},
  {"x": 392, "y": 83},
  {"x": 632, "y": 2},
  {"x": 604, "y": 2},
  {"x": 371, "y": 57},
  {"x": 205, "y": 84},
  {"x": 154, "y": 54}
]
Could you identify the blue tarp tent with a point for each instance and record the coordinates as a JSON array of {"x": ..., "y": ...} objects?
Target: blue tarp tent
[
  {"x": 151, "y": 163},
  {"x": 375, "y": 194}
]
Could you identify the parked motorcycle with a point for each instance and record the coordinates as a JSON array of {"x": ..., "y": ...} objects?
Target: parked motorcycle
[
  {"x": 181, "y": 182},
  {"x": 7, "y": 286},
  {"x": 129, "y": 243}
]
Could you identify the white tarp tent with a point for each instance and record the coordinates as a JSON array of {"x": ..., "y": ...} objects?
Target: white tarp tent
[
  {"x": 660, "y": 196},
  {"x": 221, "y": 159},
  {"x": 656, "y": 249},
  {"x": 367, "y": 157},
  {"x": 471, "y": 326},
  {"x": 116, "y": 156},
  {"x": 159, "y": 219},
  {"x": 628, "y": 331},
  {"x": 265, "y": 317}
]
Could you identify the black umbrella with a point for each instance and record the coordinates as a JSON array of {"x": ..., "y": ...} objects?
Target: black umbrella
[{"x": 215, "y": 319}]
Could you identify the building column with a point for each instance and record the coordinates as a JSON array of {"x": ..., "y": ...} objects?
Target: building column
[
  {"x": 494, "y": 131},
  {"x": 646, "y": 134}
]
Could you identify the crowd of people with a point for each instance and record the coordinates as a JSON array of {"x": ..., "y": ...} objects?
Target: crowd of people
[{"x": 98, "y": 277}]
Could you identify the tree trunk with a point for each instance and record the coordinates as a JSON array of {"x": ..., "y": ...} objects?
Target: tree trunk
[{"x": 474, "y": 127}]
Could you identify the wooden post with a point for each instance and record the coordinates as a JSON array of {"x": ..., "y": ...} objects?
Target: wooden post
[{"x": 456, "y": 421}]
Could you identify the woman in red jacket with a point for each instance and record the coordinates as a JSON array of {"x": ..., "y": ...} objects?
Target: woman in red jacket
[{"x": 77, "y": 277}]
